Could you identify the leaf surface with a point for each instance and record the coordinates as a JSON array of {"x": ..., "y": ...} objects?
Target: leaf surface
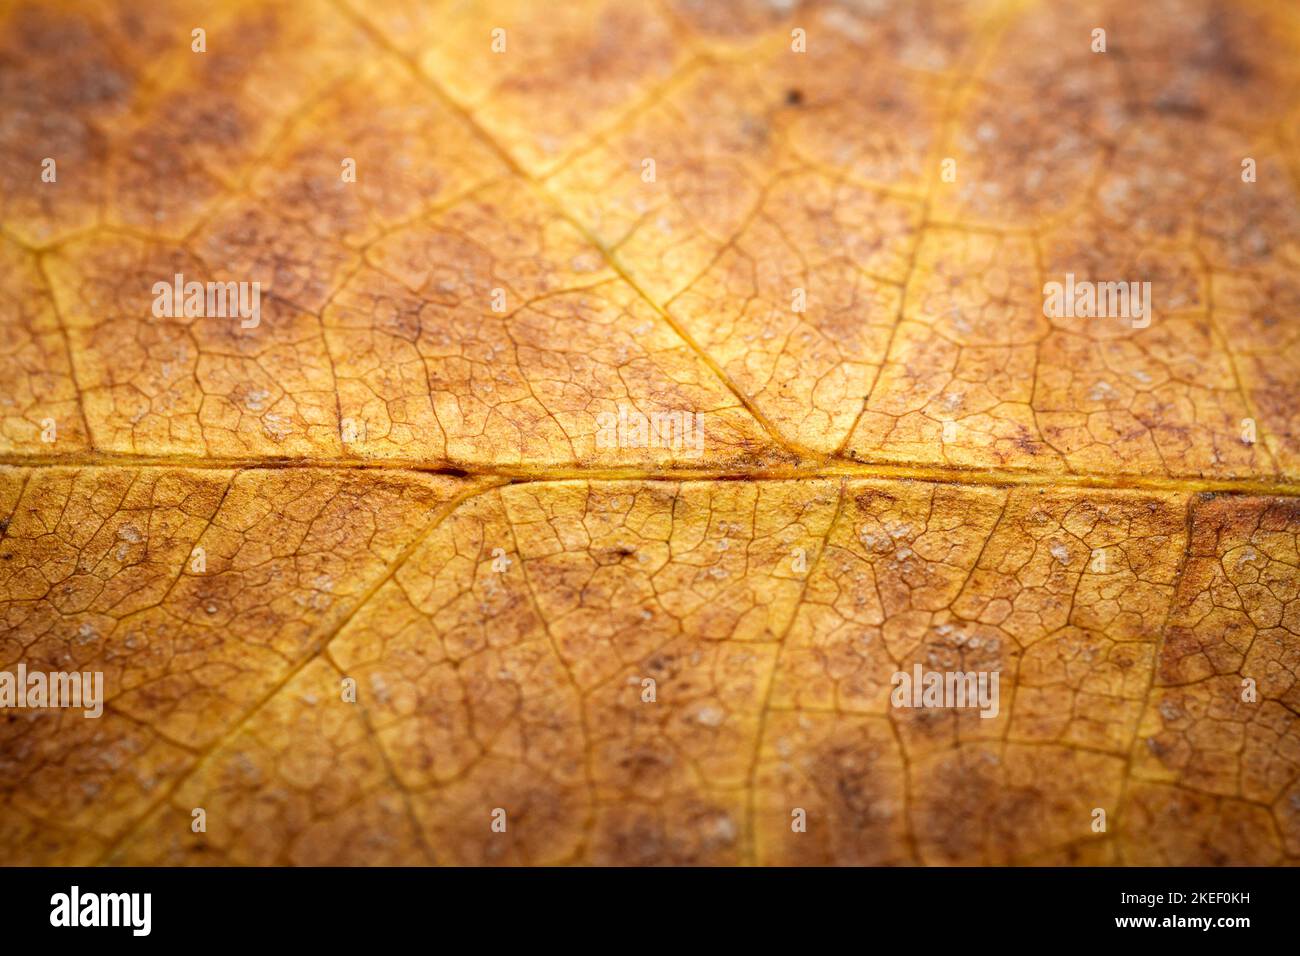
[{"x": 399, "y": 479}]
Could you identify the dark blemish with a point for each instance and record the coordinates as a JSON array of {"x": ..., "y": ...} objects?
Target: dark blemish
[
  {"x": 793, "y": 97},
  {"x": 1158, "y": 749},
  {"x": 659, "y": 664},
  {"x": 867, "y": 498},
  {"x": 1240, "y": 70},
  {"x": 1180, "y": 108}
]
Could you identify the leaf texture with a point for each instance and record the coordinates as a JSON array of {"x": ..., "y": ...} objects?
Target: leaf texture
[{"x": 399, "y": 479}]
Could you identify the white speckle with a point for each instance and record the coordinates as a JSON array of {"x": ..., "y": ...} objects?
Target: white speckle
[
  {"x": 1060, "y": 552},
  {"x": 900, "y": 530},
  {"x": 869, "y": 539},
  {"x": 723, "y": 828},
  {"x": 1100, "y": 392},
  {"x": 840, "y": 21},
  {"x": 277, "y": 427},
  {"x": 709, "y": 716}
]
